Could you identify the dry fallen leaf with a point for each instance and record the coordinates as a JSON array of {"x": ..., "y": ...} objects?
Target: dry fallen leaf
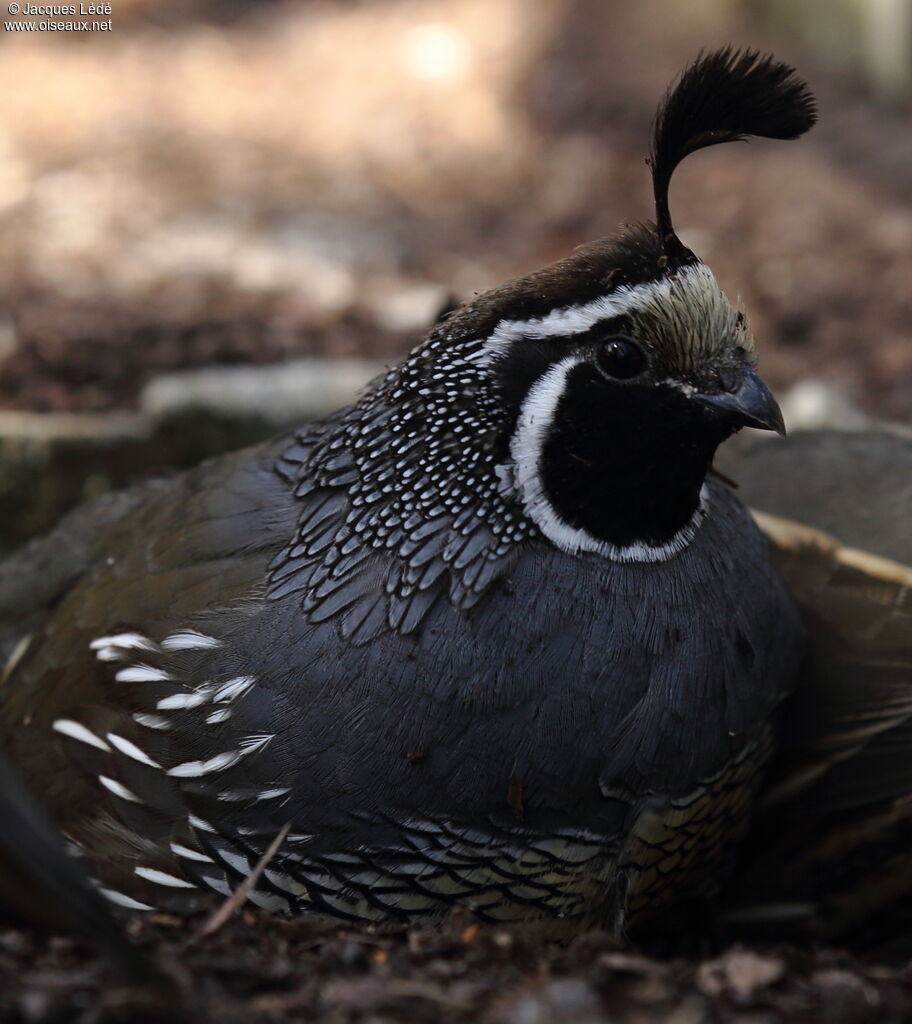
[{"x": 740, "y": 972}]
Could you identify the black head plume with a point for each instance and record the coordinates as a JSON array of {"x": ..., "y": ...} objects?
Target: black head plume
[{"x": 724, "y": 96}]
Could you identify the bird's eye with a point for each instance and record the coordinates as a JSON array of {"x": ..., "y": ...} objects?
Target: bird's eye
[{"x": 621, "y": 358}]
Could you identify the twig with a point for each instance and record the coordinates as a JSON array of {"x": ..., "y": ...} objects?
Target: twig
[{"x": 238, "y": 897}]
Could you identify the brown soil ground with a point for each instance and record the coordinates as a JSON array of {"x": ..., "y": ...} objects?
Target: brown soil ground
[{"x": 265, "y": 969}]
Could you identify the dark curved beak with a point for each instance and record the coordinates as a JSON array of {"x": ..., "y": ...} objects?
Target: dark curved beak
[{"x": 750, "y": 405}]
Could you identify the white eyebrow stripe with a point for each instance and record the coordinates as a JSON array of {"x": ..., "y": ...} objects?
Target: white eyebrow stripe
[{"x": 578, "y": 319}]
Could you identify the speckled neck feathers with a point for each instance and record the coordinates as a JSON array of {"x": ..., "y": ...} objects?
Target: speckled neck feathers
[{"x": 406, "y": 475}]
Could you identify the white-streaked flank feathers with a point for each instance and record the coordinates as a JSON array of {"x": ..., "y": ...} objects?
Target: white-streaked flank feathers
[
  {"x": 196, "y": 769},
  {"x": 233, "y": 689},
  {"x": 120, "y": 646},
  {"x": 188, "y": 854},
  {"x": 120, "y": 900},
  {"x": 162, "y": 878},
  {"x": 199, "y": 824},
  {"x": 273, "y": 794},
  {"x": 141, "y": 674},
  {"x": 129, "y": 748},
  {"x": 158, "y": 722},
  {"x": 219, "y": 762},
  {"x": 118, "y": 789},
  {"x": 77, "y": 731},
  {"x": 184, "y": 701},
  {"x": 189, "y": 640}
]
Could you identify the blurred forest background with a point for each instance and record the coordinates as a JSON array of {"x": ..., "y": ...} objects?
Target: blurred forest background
[{"x": 236, "y": 182}]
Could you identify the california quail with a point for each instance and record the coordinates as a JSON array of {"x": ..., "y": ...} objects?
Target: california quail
[{"x": 493, "y": 636}]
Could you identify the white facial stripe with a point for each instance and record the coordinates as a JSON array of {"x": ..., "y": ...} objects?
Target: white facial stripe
[
  {"x": 572, "y": 320},
  {"x": 535, "y": 418}
]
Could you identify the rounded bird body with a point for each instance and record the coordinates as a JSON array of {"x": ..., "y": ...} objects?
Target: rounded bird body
[
  {"x": 492, "y": 636},
  {"x": 417, "y": 768}
]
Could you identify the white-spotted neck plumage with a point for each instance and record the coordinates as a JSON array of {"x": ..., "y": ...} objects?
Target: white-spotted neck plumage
[{"x": 488, "y": 636}]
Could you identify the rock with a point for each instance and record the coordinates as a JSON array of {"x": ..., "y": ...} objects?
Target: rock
[
  {"x": 740, "y": 972},
  {"x": 282, "y": 394},
  {"x": 814, "y": 405}
]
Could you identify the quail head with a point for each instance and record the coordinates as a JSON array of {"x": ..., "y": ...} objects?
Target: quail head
[{"x": 493, "y": 636}]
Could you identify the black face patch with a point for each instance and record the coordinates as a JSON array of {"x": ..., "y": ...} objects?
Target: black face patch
[{"x": 625, "y": 463}]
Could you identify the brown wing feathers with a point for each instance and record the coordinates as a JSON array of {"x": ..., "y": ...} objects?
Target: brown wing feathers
[{"x": 834, "y": 822}]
